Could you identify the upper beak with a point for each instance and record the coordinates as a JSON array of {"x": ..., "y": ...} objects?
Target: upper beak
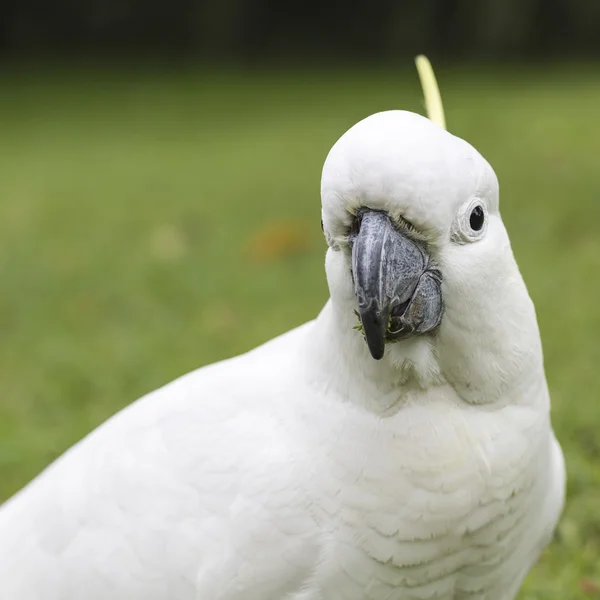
[{"x": 390, "y": 271}]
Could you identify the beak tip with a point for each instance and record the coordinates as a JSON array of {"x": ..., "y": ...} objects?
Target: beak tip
[
  {"x": 377, "y": 354},
  {"x": 374, "y": 331},
  {"x": 376, "y": 344}
]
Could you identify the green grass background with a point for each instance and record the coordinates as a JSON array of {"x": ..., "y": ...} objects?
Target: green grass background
[{"x": 132, "y": 204}]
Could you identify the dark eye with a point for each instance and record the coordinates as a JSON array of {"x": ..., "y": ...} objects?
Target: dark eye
[{"x": 477, "y": 218}]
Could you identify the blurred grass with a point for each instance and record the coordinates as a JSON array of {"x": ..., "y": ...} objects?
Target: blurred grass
[{"x": 151, "y": 223}]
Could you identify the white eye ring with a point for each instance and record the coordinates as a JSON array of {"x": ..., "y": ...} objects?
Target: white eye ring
[{"x": 462, "y": 229}]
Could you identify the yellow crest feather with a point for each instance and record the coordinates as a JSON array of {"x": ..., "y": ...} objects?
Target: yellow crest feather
[{"x": 431, "y": 91}]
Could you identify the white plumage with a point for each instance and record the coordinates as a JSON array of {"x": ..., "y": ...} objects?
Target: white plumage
[{"x": 307, "y": 470}]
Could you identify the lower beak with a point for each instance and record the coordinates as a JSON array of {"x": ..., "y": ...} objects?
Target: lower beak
[{"x": 390, "y": 272}]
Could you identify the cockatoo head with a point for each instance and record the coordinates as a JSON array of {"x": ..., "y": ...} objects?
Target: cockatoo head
[{"x": 418, "y": 250}]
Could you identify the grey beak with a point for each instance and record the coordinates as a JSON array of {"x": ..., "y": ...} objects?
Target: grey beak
[{"x": 397, "y": 291}]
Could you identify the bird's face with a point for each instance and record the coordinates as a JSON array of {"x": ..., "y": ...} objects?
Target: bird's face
[{"x": 416, "y": 243}]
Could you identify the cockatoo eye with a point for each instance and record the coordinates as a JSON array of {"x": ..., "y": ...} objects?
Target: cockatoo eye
[
  {"x": 470, "y": 224},
  {"x": 477, "y": 218}
]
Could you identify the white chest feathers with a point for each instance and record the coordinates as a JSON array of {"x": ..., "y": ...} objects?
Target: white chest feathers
[{"x": 438, "y": 501}]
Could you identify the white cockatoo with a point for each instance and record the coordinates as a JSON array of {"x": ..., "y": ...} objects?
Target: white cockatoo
[{"x": 411, "y": 457}]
